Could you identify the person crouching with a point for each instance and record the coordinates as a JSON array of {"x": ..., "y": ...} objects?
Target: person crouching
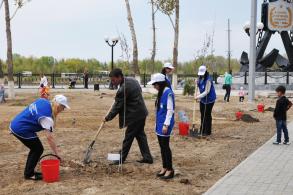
[
  {"x": 38, "y": 116},
  {"x": 165, "y": 105}
]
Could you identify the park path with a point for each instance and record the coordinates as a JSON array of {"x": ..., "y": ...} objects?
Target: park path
[{"x": 268, "y": 171}]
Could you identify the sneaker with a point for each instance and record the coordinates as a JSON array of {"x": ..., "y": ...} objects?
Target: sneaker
[
  {"x": 286, "y": 143},
  {"x": 276, "y": 143}
]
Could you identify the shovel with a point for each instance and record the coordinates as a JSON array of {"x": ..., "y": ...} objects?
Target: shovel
[
  {"x": 193, "y": 132},
  {"x": 87, "y": 157}
]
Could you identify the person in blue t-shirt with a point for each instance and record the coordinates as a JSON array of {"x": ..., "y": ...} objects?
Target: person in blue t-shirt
[
  {"x": 167, "y": 70},
  {"x": 165, "y": 106},
  {"x": 207, "y": 99},
  {"x": 38, "y": 116}
]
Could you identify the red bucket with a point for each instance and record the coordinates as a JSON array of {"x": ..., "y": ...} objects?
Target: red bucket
[
  {"x": 50, "y": 169},
  {"x": 183, "y": 128},
  {"x": 239, "y": 115},
  {"x": 260, "y": 108}
]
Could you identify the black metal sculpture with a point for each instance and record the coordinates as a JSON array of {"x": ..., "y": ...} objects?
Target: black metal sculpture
[{"x": 276, "y": 17}]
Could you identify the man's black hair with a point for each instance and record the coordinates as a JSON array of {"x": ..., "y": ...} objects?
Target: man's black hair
[
  {"x": 281, "y": 89},
  {"x": 116, "y": 72}
]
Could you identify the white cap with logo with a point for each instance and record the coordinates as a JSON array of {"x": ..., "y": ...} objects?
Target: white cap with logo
[
  {"x": 158, "y": 77},
  {"x": 202, "y": 70},
  {"x": 61, "y": 99},
  {"x": 168, "y": 65}
]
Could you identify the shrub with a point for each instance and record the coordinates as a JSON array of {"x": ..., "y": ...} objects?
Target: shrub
[{"x": 189, "y": 88}]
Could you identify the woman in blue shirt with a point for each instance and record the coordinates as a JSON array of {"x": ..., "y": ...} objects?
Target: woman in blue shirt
[
  {"x": 38, "y": 116},
  {"x": 165, "y": 106},
  {"x": 207, "y": 99}
]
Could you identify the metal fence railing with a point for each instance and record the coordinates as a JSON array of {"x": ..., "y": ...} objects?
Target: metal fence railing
[
  {"x": 264, "y": 78},
  {"x": 57, "y": 79},
  {"x": 261, "y": 78}
]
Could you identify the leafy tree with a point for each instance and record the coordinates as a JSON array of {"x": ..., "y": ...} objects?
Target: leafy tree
[
  {"x": 75, "y": 65},
  {"x": 169, "y": 7}
]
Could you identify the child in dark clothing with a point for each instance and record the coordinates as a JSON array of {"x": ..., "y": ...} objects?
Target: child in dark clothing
[{"x": 280, "y": 115}]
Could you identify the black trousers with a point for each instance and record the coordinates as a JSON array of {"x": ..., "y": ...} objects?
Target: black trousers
[
  {"x": 206, "y": 118},
  {"x": 165, "y": 152},
  {"x": 228, "y": 92},
  {"x": 136, "y": 130},
  {"x": 86, "y": 83},
  {"x": 36, "y": 150}
]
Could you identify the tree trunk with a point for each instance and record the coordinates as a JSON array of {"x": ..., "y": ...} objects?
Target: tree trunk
[
  {"x": 135, "y": 67},
  {"x": 154, "y": 37},
  {"x": 176, "y": 39},
  {"x": 1, "y": 70},
  {"x": 1, "y": 73},
  {"x": 9, "y": 51}
]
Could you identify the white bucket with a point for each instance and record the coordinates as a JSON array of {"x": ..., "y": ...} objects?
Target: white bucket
[{"x": 113, "y": 157}]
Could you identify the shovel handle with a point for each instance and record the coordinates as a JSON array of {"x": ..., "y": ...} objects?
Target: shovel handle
[
  {"x": 102, "y": 125},
  {"x": 194, "y": 104},
  {"x": 99, "y": 130}
]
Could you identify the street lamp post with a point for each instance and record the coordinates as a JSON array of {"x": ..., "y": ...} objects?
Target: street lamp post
[
  {"x": 259, "y": 28},
  {"x": 112, "y": 44},
  {"x": 252, "y": 60},
  {"x": 252, "y": 29}
]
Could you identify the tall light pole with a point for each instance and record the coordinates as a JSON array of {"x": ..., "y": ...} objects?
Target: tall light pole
[
  {"x": 252, "y": 52},
  {"x": 112, "y": 44}
]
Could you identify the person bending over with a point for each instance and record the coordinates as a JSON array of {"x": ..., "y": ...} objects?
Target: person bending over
[
  {"x": 207, "y": 99},
  {"x": 130, "y": 106},
  {"x": 38, "y": 116}
]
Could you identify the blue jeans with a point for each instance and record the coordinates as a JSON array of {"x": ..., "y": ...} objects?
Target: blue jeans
[{"x": 282, "y": 125}]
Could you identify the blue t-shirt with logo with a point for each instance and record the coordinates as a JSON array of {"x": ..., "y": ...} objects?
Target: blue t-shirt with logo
[{"x": 27, "y": 123}]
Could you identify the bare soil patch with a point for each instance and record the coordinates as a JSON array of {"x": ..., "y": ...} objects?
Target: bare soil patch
[{"x": 199, "y": 163}]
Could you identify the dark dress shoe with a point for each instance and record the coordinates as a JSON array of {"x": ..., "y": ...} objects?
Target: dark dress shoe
[
  {"x": 159, "y": 174},
  {"x": 145, "y": 161},
  {"x": 170, "y": 176}
]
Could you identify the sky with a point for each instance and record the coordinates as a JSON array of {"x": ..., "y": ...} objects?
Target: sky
[{"x": 77, "y": 28}]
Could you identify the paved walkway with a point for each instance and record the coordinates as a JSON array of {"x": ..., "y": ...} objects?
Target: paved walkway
[{"x": 269, "y": 170}]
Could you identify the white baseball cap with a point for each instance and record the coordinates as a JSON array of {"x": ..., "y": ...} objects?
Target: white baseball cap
[
  {"x": 202, "y": 70},
  {"x": 168, "y": 65},
  {"x": 61, "y": 99},
  {"x": 158, "y": 77}
]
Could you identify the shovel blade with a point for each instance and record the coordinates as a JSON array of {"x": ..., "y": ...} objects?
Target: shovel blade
[
  {"x": 87, "y": 156},
  {"x": 194, "y": 132}
]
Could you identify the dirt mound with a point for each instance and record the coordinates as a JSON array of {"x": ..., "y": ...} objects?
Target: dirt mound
[
  {"x": 249, "y": 119},
  {"x": 270, "y": 109}
]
